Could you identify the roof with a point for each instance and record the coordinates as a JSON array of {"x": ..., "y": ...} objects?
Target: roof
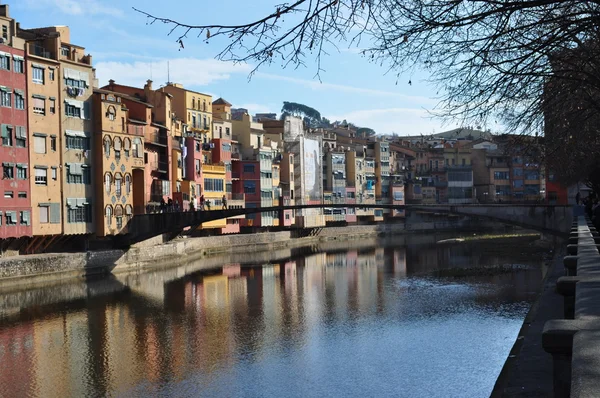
[{"x": 221, "y": 101}]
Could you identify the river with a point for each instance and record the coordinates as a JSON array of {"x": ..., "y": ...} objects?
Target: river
[{"x": 379, "y": 321}]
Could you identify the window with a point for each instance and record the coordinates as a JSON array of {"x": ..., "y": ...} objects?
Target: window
[
  {"x": 78, "y": 211},
  {"x": 52, "y": 105},
  {"x": 65, "y": 51},
  {"x": 126, "y": 146},
  {"x": 39, "y": 106},
  {"x": 54, "y": 173},
  {"x": 25, "y": 217},
  {"x": 37, "y": 75},
  {"x": 51, "y": 74},
  {"x": 39, "y": 143},
  {"x": 213, "y": 185},
  {"x": 19, "y": 65},
  {"x": 41, "y": 176},
  {"x": 518, "y": 172},
  {"x": 44, "y": 214},
  {"x": 11, "y": 218},
  {"x": 119, "y": 216},
  {"x": 9, "y": 194},
  {"x": 7, "y": 135},
  {"x": 107, "y": 146},
  {"x": 72, "y": 110},
  {"x": 5, "y": 98},
  {"x": 197, "y": 163},
  {"x": 21, "y": 172},
  {"x": 19, "y": 100},
  {"x": 117, "y": 143},
  {"x": 226, "y": 147},
  {"x": 22, "y": 195},
  {"x": 8, "y": 172},
  {"x": 76, "y": 142},
  {"x": 248, "y": 168},
  {"x": 108, "y": 215},
  {"x": 127, "y": 184},
  {"x": 107, "y": 182},
  {"x": 118, "y": 180},
  {"x": 5, "y": 61},
  {"x": 78, "y": 174},
  {"x": 518, "y": 183},
  {"x": 5, "y": 31},
  {"x": 249, "y": 187},
  {"x": 137, "y": 148},
  {"x": 53, "y": 143},
  {"x": 501, "y": 175},
  {"x": 76, "y": 83}
]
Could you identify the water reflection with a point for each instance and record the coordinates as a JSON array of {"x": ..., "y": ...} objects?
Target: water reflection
[{"x": 358, "y": 322}]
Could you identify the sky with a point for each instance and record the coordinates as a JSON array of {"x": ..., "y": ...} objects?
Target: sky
[{"x": 127, "y": 49}]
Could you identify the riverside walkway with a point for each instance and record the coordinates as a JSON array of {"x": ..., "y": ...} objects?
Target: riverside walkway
[{"x": 557, "y": 352}]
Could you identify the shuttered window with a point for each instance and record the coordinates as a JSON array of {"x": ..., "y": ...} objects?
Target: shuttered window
[
  {"x": 39, "y": 144},
  {"x": 55, "y": 213}
]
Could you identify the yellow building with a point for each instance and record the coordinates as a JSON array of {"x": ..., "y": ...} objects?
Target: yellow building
[
  {"x": 43, "y": 84},
  {"x": 213, "y": 191},
  {"x": 194, "y": 108},
  {"x": 119, "y": 163}
]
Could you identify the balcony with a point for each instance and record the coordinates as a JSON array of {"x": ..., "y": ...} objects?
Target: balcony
[
  {"x": 161, "y": 167},
  {"x": 236, "y": 196},
  {"x": 135, "y": 130},
  {"x": 213, "y": 168},
  {"x": 154, "y": 136},
  {"x": 40, "y": 51}
]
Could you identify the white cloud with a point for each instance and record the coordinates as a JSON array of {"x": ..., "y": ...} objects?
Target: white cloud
[
  {"x": 187, "y": 71},
  {"x": 77, "y": 7},
  {"x": 316, "y": 85},
  {"x": 403, "y": 121}
]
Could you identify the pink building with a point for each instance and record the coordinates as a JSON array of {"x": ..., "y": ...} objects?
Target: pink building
[{"x": 15, "y": 201}]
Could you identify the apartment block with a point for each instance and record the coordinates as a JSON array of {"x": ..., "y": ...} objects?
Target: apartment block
[
  {"x": 42, "y": 65},
  {"x": 119, "y": 164},
  {"x": 15, "y": 199}
]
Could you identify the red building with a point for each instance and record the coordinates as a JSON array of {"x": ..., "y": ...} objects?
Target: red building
[
  {"x": 193, "y": 167},
  {"x": 15, "y": 201},
  {"x": 556, "y": 194},
  {"x": 246, "y": 180}
]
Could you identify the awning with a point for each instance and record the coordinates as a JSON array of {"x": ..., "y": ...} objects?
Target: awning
[
  {"x": 18, "y": 57},
  {"x": 75, "y": 103},
  {"x": 75, "y": 169},
  {"x": 75, "y": 133}
]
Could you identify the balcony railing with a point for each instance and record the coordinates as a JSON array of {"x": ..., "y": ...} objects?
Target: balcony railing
[
  {"x": 135, "y": 130},
  {"x": 213, "y": 167},
  {"x": 159, "y": 166},
  {"x": 236, "y": 196},
  {"x": 155, "y": 137},
  {"x": 40, "y": 52}
]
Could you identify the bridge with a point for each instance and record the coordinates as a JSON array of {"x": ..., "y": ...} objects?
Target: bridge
[{"x": 548, "y": 218}]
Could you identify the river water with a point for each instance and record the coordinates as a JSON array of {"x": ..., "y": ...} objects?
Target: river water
[{"x": 376, "y": 321}]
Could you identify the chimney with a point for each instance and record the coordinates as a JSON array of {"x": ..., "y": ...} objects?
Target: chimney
[
  {"x": 148, "y": 85},
  {"x": 111, "y": 84}
]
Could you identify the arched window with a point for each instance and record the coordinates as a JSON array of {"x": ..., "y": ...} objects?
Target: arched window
[
  {"x": 117, "y": 145},
  {"x": 127, "y": 146},
  {"x": 119, "y": 216},
  {"x": 107, "y": 182},
  {"x": 107, "y": 146},
  {"x": 111, "y": 112},
  {"x": 108, "y": 214},
  {"x": 118, "y": 181},
  {"x": 137, "y": 148},
  {"x": 128, "y": 211},
  {"x": 204, "y": 105},
  {"x": 193, "y": 102},
  {"x": 127, "y": 184}
]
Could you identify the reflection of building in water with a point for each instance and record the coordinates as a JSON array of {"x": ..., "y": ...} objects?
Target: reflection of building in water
[
  {"x": 232, "y": 270},
  {"x": 62, "y": 355},
  {"x": 17, "y": 360},
  {"x": 399, "y": 261},
  {"x": 271, "y": 301},
  {"x": 215, "y": 291}
]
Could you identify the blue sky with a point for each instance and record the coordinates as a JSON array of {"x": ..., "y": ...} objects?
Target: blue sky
[{"x": 129, "y": 51}]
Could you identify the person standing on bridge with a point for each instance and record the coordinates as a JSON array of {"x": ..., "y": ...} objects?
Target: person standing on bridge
[
  {"x": 208, "y": 205},
  {"x": 224, "y": 202},
  {"x": 202, "y": 202}
]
